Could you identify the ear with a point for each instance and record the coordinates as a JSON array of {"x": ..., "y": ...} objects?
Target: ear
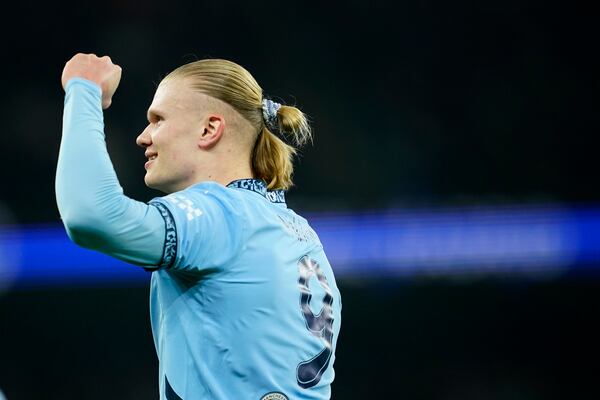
[{"x": 213, "y": 130}]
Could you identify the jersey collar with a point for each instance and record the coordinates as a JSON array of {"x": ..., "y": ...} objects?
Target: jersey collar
[{"x": 259, "y": 186}]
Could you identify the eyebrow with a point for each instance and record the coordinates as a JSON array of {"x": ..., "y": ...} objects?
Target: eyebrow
[{"x": 153, "y": 113}]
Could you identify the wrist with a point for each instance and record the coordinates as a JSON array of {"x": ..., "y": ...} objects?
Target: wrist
[{"x": 78, "y": 81}]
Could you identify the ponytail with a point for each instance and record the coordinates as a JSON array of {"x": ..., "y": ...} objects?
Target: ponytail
[{"x": 272, "y": 158}]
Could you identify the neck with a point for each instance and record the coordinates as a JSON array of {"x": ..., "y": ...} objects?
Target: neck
[
  {"x": 224, "y": 170},
  {"x": 226, "y": 178}
]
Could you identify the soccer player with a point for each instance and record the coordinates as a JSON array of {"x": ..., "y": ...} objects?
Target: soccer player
[{"x": 243, "y": 302}]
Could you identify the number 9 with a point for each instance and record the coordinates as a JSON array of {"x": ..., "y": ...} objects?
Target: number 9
[{"x": 309, "y": 372}]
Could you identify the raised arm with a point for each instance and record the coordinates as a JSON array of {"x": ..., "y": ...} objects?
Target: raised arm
[{"x": 93, "y": 208}]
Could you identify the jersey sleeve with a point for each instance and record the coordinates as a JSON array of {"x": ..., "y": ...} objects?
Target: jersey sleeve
[
  {"x": 95, "y": 212},
  {"x": 203, "y": 229}
]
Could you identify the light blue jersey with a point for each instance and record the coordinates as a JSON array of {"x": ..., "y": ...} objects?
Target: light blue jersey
[
  {"x": 244, "y": 304},
  {"x": 247, "y": 303}
]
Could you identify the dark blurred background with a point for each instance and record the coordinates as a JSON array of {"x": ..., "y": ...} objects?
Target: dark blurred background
[{"x": 419, "y": 108}]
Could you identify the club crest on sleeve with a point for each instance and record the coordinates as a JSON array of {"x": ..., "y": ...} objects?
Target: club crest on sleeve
[{"x": 274, "y": 396}]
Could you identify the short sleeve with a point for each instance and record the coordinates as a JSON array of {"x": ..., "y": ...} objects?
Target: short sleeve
[{"x": 203, "y": 229}]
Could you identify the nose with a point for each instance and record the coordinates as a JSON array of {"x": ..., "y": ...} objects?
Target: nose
[{"x": 144, "y": 139}]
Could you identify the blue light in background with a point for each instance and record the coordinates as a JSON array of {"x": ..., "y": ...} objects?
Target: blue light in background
[
  {"x": 397, "y": 242},
  {"x": 460, "y": 241},
  {"x": 44, "y": 255}
]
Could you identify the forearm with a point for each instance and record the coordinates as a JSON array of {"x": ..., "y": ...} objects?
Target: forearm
[{"x": 94, "y": 210}]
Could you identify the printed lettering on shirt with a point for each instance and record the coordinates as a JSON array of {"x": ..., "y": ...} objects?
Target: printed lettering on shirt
[{"x": 301, "y": 230}]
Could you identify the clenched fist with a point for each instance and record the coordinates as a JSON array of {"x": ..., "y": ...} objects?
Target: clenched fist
[{"x": 99, "y": 70}]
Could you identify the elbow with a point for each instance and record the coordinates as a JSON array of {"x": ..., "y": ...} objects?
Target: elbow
[
  {"x": 79, "y": 234},
  {"x": 87, "y": 223},
  {"x": 83, "y": 229}
]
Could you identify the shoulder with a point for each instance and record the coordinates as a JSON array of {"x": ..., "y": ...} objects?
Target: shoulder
[
  {"x": 206, "y": 203},
  {"x": 203, "y": 226},
  {"x": 202, "y": 195}
]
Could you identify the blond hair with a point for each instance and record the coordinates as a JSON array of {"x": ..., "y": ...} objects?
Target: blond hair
[{"x": 271, "y": 157}]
